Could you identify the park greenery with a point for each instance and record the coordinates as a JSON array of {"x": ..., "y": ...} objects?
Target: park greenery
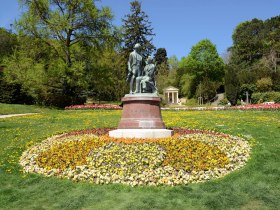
[
  {"x": 61, "y": 53},
  {"x": 254, "y": 186}
]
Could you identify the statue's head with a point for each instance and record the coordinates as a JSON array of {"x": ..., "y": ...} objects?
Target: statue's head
[
  {"x": 149, "y": 59},
  {"x": 137, "y": 46}
]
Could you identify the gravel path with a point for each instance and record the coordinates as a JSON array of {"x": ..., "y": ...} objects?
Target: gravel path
[{"x": 15, "y": 115}]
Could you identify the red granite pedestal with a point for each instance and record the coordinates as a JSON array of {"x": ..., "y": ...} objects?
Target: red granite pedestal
[{"x": 141, "y": 118}]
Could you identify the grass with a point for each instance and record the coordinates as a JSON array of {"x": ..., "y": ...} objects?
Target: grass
[
  {"x": 19, "y": 109},
  {"x": 256, "y": 186}
]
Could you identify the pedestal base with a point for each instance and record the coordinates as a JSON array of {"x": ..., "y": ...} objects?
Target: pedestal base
[
  {"x": 141, "y": 118},
  {"x": 141, "y": 133},
  {"x": 141, "y": 111}
]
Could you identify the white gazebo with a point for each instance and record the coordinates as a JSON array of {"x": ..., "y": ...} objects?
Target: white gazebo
[{"x": 171, "y": 95}]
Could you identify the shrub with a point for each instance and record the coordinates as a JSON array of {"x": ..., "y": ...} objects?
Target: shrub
[
  {"x": 266, "y": 96},
  {"x": 231, "y": 84},
  {"x": 191, "y": 102},
  {"x": 250, "y": 88},
  {"x": 264, "y": 84},
  {"x": 206, "y": 89},
  {"x": 223, "y": 102},
  {"x": 13, "y": 94},
  {"x": 257, "y": 98}
]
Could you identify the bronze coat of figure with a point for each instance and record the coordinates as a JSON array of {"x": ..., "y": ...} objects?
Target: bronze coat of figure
[
  {"x": 146, "y": 83},
  {"x": 134, "y": 66}
]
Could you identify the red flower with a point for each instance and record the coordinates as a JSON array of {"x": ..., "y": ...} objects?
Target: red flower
[{"x": 93, "y": 106}]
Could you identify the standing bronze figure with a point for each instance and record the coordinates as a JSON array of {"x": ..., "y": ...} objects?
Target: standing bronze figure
[{"x": 135, "y": 66}]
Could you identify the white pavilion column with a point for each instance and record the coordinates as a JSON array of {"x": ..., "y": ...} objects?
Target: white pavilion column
[
  {"x": 168, "y": 97},
  {"x": 173, "y": 97}
]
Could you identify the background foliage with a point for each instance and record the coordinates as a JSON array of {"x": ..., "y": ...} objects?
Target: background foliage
[
  {"x": 255, "y": 56},
  {"x": 64, "y": 52}
]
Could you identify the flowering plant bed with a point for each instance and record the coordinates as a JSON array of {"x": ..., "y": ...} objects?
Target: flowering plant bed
[
  {"x": 242, "y": 107},
  {"x": 188, "y": 157},
  {"x": 92, "y": 106},
  {"x": 258, "y": 107}
]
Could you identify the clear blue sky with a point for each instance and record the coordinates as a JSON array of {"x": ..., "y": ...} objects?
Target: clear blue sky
[{"x": 180, "y": 24}]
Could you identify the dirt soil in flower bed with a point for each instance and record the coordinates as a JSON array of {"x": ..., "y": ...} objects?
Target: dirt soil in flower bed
[{"x": 104, "y": 131}]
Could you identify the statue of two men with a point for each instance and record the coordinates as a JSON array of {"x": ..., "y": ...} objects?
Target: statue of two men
[{"x": 144, "y": 79}]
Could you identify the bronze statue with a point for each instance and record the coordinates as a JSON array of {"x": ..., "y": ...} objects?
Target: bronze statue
[
  {"x": 135, "y": 66},
  {"x": 146, "y": 83}
]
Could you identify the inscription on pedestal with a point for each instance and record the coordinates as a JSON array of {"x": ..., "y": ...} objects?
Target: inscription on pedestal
[
  {"x": 142, "y": 111},
  {"x": 147, "y": 124}
]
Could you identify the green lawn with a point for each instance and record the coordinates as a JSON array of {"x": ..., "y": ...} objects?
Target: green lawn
[
  {"x": 256, "y": 186},
  {"x": 19, "y": 109}
]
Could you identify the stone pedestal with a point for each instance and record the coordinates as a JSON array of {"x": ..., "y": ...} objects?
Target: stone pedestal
[
  {"x": 141, "y": 111},
  {"x": 141, "y": 118}
]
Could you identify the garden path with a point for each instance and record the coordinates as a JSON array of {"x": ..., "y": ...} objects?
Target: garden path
[
  {"x": 15, "y": 115},
  {"x": 220, "y": 97}
]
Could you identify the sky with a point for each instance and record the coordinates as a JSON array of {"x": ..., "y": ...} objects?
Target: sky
[{"x": 180, "y": 24}]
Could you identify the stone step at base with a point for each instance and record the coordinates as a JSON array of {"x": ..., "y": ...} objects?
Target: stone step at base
[{"x": 141, "y": 133}]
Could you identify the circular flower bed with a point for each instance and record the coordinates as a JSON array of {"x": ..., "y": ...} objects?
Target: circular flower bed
[{"x": 189, "y": 156}]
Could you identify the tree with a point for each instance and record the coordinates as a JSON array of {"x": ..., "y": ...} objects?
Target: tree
[
  {"x": 264, "y": 84},
  {"x": 8, "y": 43},
  {"x": 245, "y": 89},
  {"x": 161, "y": 56},
  {"x": 173, "y": 70},
  {"x": 67, "y": 31},
  {"x": 247, "y": 42},
  {"x": 272, "y": 41},
  {"x": 256, "y": 56},
  {"x": 162, "y": 69},
  {"x": 110, "y": 67},
  {"x": 137, "y": 29},
  {"x": 38, "y": 72},
  {"x": 64, "y": 23},
  {"x": 206, "y": 89},
  {"x": 226, "y": 56},
  {"x": 187, "y": 85},
  {"x": 173, "y": 62},
  {"x": 203, "y": 62},
  {"x": 10, "y": 92},
  {"x": 231, "y": 84}
]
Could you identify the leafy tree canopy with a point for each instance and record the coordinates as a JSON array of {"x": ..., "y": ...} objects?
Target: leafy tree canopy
[
  {"x": 256, "y": 55},
  {"x": 204, "y": 61},
  {"x": 137, "y": 29},
  {"x": 64, "y": 23},
  {"x": 247, "y": 41},
  {"x": 58, "y": 41},
  {"x": 161, "y": 56},
  {"x": 8, "y": 43},
  {"x": 173, "y": 62}
]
